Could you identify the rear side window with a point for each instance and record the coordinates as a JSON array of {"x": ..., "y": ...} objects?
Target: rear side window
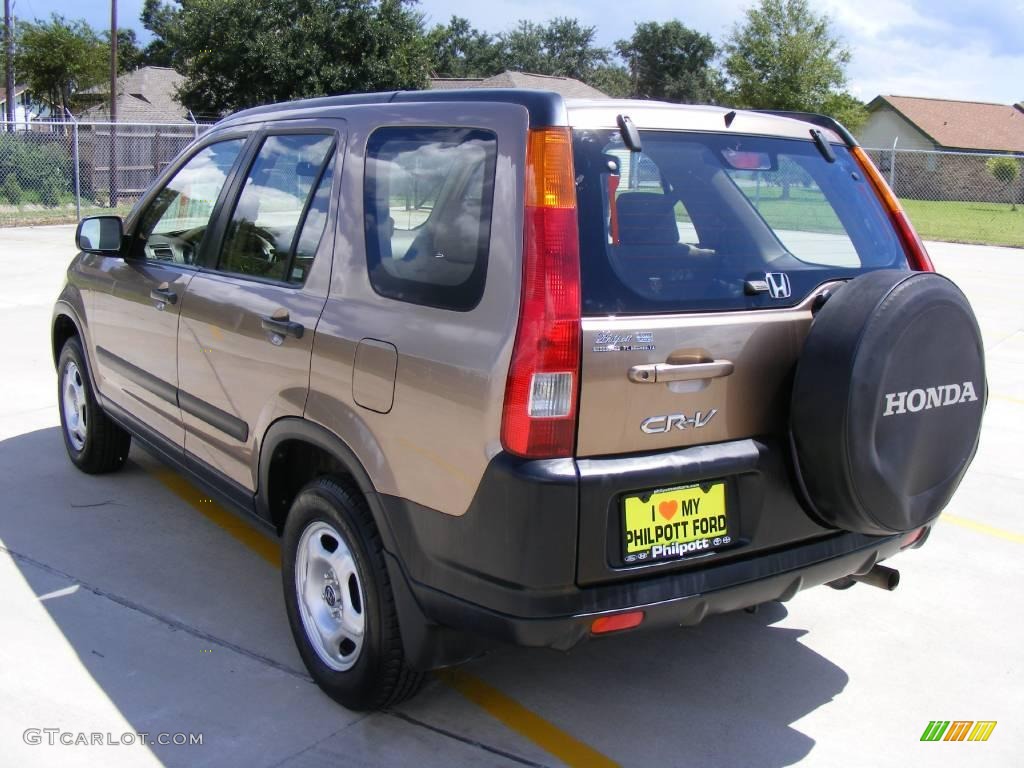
[
  {"x": 428, "y": 199},
  {"x": 697, "y": 220},
  {"x": 262, "y": 237}
]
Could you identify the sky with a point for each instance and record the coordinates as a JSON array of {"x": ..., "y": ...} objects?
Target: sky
[{"x": 957, "y": 49}]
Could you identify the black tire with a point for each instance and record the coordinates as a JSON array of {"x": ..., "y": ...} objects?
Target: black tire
[
  {"x": 379, "y": 677},
  {"x": 105, "y": 445}
]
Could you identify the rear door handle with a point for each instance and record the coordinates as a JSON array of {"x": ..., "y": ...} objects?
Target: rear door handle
[
  {"x": 657, "y": 373},
  {"x": 282, "y": 326},
  {"x": 164, "y": 295}
]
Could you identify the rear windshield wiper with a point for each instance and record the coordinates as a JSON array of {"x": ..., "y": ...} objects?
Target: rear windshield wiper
[
  {"x": 630, "y": 135},
  {"x": 823, "y": 146}
]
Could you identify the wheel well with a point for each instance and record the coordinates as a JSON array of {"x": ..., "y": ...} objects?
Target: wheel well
[
  {"x": 63, "y": 329},
  {"x": 294, "y": 464}
]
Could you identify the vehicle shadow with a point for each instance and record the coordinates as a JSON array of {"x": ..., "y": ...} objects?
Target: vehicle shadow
[
  {"x": 161, "y": 581},
  {"x": 723, "y": 693}
]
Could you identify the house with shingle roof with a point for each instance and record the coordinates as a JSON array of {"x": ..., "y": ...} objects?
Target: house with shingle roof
[
  {"x": 27, "y": 107},
  {"x": 943, "y": 124},
  {"x": 568, "y": 87},
  {"x": 949, "y": 143},
  {"x": 145, "y": 95}
]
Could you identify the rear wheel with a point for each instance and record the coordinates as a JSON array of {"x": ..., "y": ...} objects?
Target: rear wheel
[
  {"x": 95, "y": 444},
  {"x": 339, "y": 600}
]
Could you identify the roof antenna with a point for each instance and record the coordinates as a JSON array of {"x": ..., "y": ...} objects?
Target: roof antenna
[
  {"x": 729, "y": 117},
  {"x": 630, "y": 135}
]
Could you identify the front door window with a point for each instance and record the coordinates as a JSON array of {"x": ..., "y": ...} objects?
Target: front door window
[{"x": 173, "y": 226}]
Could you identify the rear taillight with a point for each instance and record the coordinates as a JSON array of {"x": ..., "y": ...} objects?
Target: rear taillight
[
  {"x": 539, "y": 420},
  {"x": 917, "y": 255}
]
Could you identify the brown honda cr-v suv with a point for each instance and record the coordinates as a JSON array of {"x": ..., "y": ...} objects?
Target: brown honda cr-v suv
[{"x": 503, "y": 367}]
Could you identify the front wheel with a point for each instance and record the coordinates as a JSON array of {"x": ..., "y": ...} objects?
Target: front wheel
[
  {"x": 339, "y": 600},
  {"x": 95, "y": 444}
]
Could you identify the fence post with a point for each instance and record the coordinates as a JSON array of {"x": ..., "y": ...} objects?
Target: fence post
[
  {"x": 76, "y": 173},
  {"x": 156, "y": 151},
  {"x": 892, "y": 166},
  {"x": 195, "y": 125}
]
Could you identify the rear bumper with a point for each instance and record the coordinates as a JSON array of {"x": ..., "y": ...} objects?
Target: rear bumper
[
  {"x": 537, "y": 556},
  {"x": 676, "y": 599}
]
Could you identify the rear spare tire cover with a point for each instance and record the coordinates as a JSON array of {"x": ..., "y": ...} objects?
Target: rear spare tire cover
[{"x": 887, "y": 401}]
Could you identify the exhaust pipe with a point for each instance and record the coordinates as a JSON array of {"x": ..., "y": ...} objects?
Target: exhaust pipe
[{"x": 879, "y": 576}]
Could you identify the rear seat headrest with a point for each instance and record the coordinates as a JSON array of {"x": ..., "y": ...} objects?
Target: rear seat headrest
[{"x": 646, "y": 218}]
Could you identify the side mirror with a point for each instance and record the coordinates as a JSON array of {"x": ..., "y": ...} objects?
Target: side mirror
[{"x": 100, "y": 234}]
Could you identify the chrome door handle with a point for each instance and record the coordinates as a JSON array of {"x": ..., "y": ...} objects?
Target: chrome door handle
[{"x": 657, "y": 373}]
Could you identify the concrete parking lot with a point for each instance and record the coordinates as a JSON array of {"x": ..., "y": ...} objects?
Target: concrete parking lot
[{"x": 131, "y": 603}]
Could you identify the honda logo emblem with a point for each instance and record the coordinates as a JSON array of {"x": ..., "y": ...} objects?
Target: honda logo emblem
[{"x": 778, "y": 285}]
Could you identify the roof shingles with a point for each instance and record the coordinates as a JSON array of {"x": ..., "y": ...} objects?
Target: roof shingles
[
  {"x": 971, "y": 125},
  {"x": 568, "y": 87},
  {"x": 148, "y": 94}
]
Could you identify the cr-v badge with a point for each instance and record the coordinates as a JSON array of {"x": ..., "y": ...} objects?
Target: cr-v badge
[
  {"x": 778, "y": 285},
  {"x": 657, "y": 425}
]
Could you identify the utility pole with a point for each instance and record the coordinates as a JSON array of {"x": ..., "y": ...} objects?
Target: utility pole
[
  {"x": 9, "y": 64},
  {"x": 113, "y": 103}
]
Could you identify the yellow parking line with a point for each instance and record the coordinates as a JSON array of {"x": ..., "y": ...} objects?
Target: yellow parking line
[
  {"x": 261, "y": 544},
  {"x": 518, "y": 718},
  {"x": 991, "y": 530},
  {"x": 506, "y": 710},
  {"x": 1008, "y": 399}
]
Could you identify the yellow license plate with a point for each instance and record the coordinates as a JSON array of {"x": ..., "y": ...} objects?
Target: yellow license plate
[{"x": 675, "y": 522}]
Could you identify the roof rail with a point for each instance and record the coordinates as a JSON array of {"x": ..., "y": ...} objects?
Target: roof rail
[
  {"x": 822, "y": 121},
  {"x": 546, "y": 108}
]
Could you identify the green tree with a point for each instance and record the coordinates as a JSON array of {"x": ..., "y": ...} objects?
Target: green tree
[
  {"x": 236, "y": 53},
  {"x": 562, "y": 47},
  {"x": 162, "y": 20},
  {"x": 785, "y": 56},
  {"x": 459, "y": 50},
  {"x": 847, "y": 109},
  {"x": 613, "y": 80},
  {"x": 59, "y": 59},
  {"x": 671, "y": 62},
  {"x": 129, "y": 55},
  {"x": 1005, "y": 170}
]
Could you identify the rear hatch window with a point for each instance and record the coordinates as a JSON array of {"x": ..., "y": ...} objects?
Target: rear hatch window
[{"x": 703, "y": 221}]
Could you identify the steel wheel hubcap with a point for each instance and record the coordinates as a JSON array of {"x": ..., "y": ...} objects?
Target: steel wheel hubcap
[
  {"x": 330, "y": 596},
  {"x": 73, "y": 402}
]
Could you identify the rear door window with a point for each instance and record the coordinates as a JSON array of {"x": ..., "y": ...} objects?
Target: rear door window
[
  {"x": 699, "y": 221},
  {"x": 428, "y": 201}
]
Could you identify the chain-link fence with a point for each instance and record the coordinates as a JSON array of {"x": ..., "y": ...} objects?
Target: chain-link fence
[
  {"x": 57, "y": 172},
  {"x": 964, "y": 197}
]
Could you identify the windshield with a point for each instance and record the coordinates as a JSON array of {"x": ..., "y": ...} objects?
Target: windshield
[{"x": 710, "y": 221}]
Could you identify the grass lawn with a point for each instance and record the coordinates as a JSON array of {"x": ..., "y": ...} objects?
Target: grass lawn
[
  {"x": 984, "y": 223},
  {"x": 63, "y": 214},
  {"x": 956, "y": 222}
]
